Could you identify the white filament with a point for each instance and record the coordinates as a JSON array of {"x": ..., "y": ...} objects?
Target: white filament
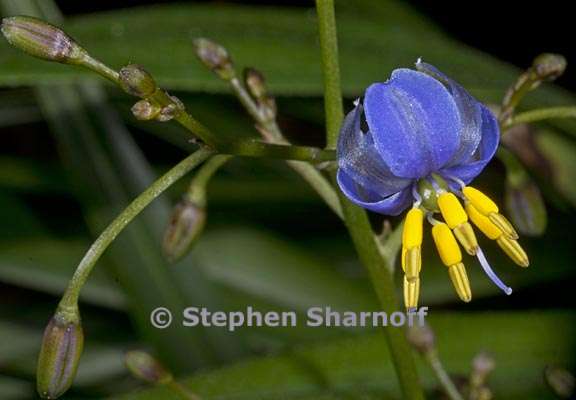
[{"x": 491, "y": 274}]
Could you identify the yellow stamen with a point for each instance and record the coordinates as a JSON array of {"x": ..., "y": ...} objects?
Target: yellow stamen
[
  {"x": 452, "y": 257},
  {"x": 457, "y": 220},
  {"x": 479, "y": 200},
  {"x": 488, "y": 208},
  {"x": 513, "y": 249},
  {"x": 446, "y": 244},
  {"x": 504, "y": 225},
  {"x": 465, "y": 235},
  {"x": 412, "y": 262},
  {"x": 451, "y": 210},
  {"x": 460, "y": 281},
  {"x": 412, "y": 233},
  {"x": 411, "y": 242},
  {"x": 483, "y": 223},
  {"x": 411, "y": 293}
]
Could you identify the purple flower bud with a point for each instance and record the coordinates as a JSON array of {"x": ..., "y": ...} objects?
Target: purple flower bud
[
  {"x": 422, "y": 338},
  {"x": 136, "y": 81},
  {"x": 255, "y": 83},
  {"x": 215, "y": 57},
  {"x": 145, "y": 110},
  {"x": 145, "y": 367},
  {"x": 526, "y": 207},
  {"x": 59, "y": 356},
  {"x": 41, "y": 39},
  {"x": 185, "y": 226},
  {"x": 548, "y": 66}
]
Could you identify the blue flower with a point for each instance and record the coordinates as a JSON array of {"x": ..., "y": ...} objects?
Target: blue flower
[
  {"x": 415, "y": 124},
  {"x": 422, "y": 135}
]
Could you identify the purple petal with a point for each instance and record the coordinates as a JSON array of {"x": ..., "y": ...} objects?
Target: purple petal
[
  {"x": 470, "y": 169},
  {"x": 414, "y": 121},
  {"x": 470, "y": 114},
  {"x": 363, "y": 197},
  {"x": 358, "y": 157}
]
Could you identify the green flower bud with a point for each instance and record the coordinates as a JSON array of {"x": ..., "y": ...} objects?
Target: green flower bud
[
  {"x": 59, "y": 356},
  {"x": 255, "y": 83},
  {"x": 526, "y": 207},
  {"x": 145, "y": 110},
  {"x": 185, "y": 226},
  {"x": 422, "y": 338},
  {"x": 41, "y": 39},
  {"x": 549, "y": 66},
  {"x": 145, "y": 367},
  {"x": 136, "y": 81},
  {"x": 560, "y": 381},
  {"x": 215, "y": 57}
]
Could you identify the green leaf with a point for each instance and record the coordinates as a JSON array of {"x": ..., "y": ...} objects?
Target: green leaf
[
  {"x": 286, "y": 36},
  {"x": 526, "y": 342}
]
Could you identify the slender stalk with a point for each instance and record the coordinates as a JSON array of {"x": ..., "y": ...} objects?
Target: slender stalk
[
  {"x": 541, "y": 114},
  {"x": 450, "y": 389},
  {"x": 70, "y": 299},
  {"x": 182, "y": 391},
  {"x": 356, "y": 219},
  {"x": 197, "y": 189},
  {"x": 273, "y": 134},
  {"x": 331, "y": 70}
]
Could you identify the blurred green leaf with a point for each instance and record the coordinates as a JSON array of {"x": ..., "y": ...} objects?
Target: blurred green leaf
[
  {"x": 560, "y": 153},
  {"x": 526, "y": 342},
  {"x": 385, "y": 36}
]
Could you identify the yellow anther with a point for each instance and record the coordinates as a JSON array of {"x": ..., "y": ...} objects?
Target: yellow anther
[
  {"x": 504, "y": 225},
  {"x": 411, "y": 293},
  {"x": 489, "y": 209},
  {"x": 411, "y": 242},
  {"x": 412, "y": 233},
  {"x": 483, "y": 223},
  {"x": 446, "y": 244},
  {"x": 465, "y": 235},
  {"x": 412, "y": 262},
  {"x": 513, "y": 249},
  {"x": 479, "y": 200},
  {"x": 451, "y": 210},
  {"x": 460, "y": 281}
]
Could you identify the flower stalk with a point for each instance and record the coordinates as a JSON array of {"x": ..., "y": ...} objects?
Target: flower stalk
[
  {"x": 355, "y": 218},
  {"x": 70, "y": 297}
]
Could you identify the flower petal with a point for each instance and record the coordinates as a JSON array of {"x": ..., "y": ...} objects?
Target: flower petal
[
  {"x": 359, "y": 158},
  {"x": 469, "y": 169},
  {"x": 470, "y": 113},
  {"x": 391, "y": 205},
  {"x": 414, "y": 121}
]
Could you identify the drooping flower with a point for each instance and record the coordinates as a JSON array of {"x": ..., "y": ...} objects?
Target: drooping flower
[{"x": 417, "y": 141}]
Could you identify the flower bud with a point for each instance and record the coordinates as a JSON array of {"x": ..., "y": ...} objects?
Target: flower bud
[
  {"x": 526, "y": 207},
  {"x": 255, "y": 83},
  {"x": 560, "y": 381},
  {"x": 482, "y": 365},
  {"x": 145, "y": 367},
  {"x": 185, "y": 226},
  {"x": 145, "y": 110},
  {"x": 548, "y": 66},
  {"x": 41, "y": 39},
  {"x": 422, "y": 338},
  {"x": 136, "y": 81},
  {"x": 59, "y": 356},
  {"x": 214, "y": 57}
]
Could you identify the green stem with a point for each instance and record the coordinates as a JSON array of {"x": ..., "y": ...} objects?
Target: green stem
[
  {"x": 273, "y": 134},
  {"x": 442, "y": 376},
  {"x": 182, "y": 391},
  {"x": 356, "y": 218},
  {"x": 541, "y": 114},
  {"x": 331, "y": 70},
  {"x": 197, "y": 189},
  {"x": 70, "y": 299}
]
